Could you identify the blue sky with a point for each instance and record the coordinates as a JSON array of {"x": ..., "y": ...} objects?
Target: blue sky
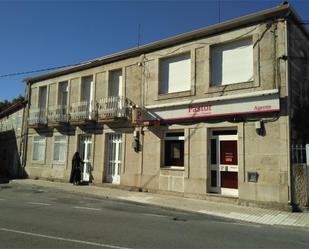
[{"x": 43, "y": 34}]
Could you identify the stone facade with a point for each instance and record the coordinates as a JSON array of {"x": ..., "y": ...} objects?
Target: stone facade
[{"x": 262, "y": 135}]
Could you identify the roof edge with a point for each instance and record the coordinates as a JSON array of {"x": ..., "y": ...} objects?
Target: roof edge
[{"x": 281, "y": 11}]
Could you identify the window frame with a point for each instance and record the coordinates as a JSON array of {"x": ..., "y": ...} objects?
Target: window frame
[
  {"x": 175, "y": 138},
  {"x": 191, "y": 91},
  {"x": 66, "y": 149},
  {"x": 210, "y": 88},
  {"x": 33, "y": 146}
]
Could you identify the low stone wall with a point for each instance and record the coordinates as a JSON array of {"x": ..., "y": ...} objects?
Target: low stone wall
[{"x": 301, "y": 181}]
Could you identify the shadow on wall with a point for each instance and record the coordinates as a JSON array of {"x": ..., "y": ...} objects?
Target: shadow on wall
[{"x": 10, "y": 164}]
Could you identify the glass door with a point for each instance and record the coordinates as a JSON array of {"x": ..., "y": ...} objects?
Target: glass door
[
  {"x": 224, "y": 164},
  {"x": 114, "y": 158},
  {"x": 85, "y": 154}
]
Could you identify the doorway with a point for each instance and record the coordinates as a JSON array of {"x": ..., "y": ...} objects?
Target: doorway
[
  {"x": 114, "y": 162},
  {"x": 224, "y": 162},
  {"x": 85, "y": 147}
]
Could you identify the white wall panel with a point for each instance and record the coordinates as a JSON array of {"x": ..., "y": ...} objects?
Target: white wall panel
[
  {"x": 175, "y": 74},
  {"x": 232, "y": 63}
]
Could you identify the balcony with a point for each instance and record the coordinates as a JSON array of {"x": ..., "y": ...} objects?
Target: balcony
[
  {"x": 37, "y": 118},
  {"x": 83, "y": 112},
  {"x": 113, "y": 108},
  {"x": 58, "y": 115}
]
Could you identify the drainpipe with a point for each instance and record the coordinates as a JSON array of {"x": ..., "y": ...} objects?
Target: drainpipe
[
  {"x": 24, "y": 131},
  {"x": 288, "y": 93}
]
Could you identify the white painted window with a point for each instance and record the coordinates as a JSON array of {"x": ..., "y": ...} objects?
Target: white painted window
[
  {"x": 38, "y": 148},
  {"x": 115, "y": 83},
  {"x": 175, "y": 74},
  {"x": 60, "y": 148},
  {"x": 232, "y": 62}
]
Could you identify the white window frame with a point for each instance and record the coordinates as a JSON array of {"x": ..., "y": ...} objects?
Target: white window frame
[
  {"x": 160, "y": 78},
  {"x": 224, "y": 83},
  {"x": 33, "y": 146},
  {"x": 65, "y": 142}
]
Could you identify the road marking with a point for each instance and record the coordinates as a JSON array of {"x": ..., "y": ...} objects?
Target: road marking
[
  {"x": 39, "y": 203},
  {"x": 88, "y": 208},
  {"x": 62, "y": 239},
  {"x": 157, "y": 215},
  {"x": 2, "y": 199}
]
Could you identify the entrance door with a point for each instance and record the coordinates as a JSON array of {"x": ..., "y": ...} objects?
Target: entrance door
[
  {"x": 224, "y": 163},
  {"x": 85, "y": 154},
  {"x": 114, "y": 158}
]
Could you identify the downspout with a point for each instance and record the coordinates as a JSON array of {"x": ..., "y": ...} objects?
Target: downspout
[
  {"x": 24, "y": 131},
  {"x": 288, "y": 108}
]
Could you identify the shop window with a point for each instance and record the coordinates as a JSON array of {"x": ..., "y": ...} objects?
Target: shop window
[
  {"x": 38, "y": 148},
  {"x": 174, "y": 149},
  {"x": 60, "y": 147},
  {"x": 232, "y": 62},
  {"x": 175, "y": 74}
]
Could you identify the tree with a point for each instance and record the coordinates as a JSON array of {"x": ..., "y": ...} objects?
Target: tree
[{"x": 6, "y": 104}]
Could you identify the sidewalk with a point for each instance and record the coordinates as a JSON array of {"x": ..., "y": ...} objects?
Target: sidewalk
[{"x": 248, "y": 214}]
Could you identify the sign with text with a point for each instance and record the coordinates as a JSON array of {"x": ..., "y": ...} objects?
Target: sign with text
[{"x": 242, "y": 106}]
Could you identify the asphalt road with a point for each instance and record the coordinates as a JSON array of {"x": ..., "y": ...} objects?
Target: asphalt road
[{"x": 35, "y": 217}]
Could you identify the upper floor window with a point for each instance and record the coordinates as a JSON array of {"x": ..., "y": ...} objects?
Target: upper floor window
[
  {"x": 231, "y": 62},
  {"x": 63, "y": 93},
  {"x": 87, "y": 89},
  {"x": 42, "y": 97},
  {"x": 115, "y": 83},
  {"x": 175, "y": 74}
]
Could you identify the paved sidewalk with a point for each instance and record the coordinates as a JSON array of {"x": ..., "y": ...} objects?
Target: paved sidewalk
[{"x": 249, "y": 214}]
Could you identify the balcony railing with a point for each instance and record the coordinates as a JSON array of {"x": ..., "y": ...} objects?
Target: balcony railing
[
  {"x": 83, "y": 111},
  {"x": 37, "y": 117},
  {"x": 58, "y": 114},
  {"x": 113, "y": 107}
]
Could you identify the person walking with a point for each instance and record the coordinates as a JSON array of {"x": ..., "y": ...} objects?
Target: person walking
[{"x": 76, "y": 171}]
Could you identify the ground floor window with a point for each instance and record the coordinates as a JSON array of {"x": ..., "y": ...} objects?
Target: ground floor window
[
  {"x": 174, "y": 149},
  {"x": 60, "y": 148},
  {"x": 38, "y": 148}
]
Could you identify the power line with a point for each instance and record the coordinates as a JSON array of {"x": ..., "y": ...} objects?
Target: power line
[{"x": 35, "y": 71}]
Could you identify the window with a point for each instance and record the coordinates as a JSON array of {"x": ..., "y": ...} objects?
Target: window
[
  {"x": 175, "y": 74},
  {"x": 174, "y": 149},
  {"x": 87, "y": 85},
  {"x": 63, "y": 93},
  {"x": 232, "y": 62},
  {"x": 43, "y": 97},
  {"x": 60, "y": 148},
  {"x": 115, "y": 83},
  {"x": 38, "y": 148}
]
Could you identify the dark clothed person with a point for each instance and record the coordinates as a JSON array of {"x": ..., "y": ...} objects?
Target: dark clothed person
[{"x": 76, "y": 172}]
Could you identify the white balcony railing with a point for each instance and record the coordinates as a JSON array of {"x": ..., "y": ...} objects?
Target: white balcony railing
[
  {"x": 58, "y": 114},
  {"x": 113, "y": 107},
  {"x": 37, "y": 116},
  {"x": 82, "y": 111}
]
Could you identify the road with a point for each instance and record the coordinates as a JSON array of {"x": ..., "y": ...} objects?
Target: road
[{"x": 36, "y": 217}]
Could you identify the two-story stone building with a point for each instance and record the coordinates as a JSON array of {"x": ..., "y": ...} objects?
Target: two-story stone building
[{"x": 209, "y": 113}]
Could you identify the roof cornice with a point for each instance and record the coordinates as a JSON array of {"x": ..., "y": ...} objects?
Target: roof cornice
[{"x": 281, "y": 11}]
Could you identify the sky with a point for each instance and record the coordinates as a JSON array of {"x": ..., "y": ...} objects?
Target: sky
[{"x": 45, "y": 34}]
